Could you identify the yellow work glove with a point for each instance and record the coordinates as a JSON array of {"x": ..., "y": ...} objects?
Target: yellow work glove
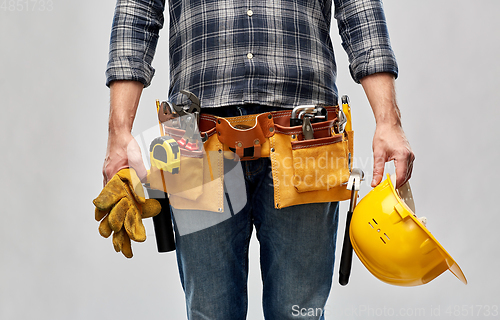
[{"x": 120, "y": 207}]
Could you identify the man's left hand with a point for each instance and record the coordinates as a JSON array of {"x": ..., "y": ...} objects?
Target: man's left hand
[{"x": 390, "y": 143}]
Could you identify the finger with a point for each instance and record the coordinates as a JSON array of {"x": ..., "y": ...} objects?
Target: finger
[
  {"x": 104, "y": 228},
  {"x": 121, "y": 242},
  {"x": 117, "y": 240},
  {"x": 150, "y": 208},
  {"x": 401, "y": 172},
  {"x": 378, "y": 169},
  {"x": 99, "y": 214},
  {"x": 132, "y": 185},
  {"x": 409, "y": 171},
  {"x": 117, "y": 214},
  {"x": 127, "y": 247},
  {"x": 404, "y": 166},
  {"x": 110, "y": 194},
  {"x": 133, "y": 225}
]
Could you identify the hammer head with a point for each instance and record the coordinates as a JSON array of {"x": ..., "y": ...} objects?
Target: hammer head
[{"x": 357, "y": 175}]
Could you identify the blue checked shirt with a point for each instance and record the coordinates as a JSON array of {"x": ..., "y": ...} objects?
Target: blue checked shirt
[{"x": 269, "y": 52}]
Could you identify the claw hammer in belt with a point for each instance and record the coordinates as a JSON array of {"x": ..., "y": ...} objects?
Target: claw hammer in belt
[{"x": 353, "y": 184}]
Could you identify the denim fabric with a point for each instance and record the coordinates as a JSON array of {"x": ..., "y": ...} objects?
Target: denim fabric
[{"x": 297, "y": 251}]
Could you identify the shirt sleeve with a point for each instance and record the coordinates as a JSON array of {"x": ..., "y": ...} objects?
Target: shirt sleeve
[
  {"x": 134, "y": 35},
  {"x": 365, "y": 38}
]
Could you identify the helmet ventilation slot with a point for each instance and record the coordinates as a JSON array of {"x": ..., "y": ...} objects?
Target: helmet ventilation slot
[
  {"x": 386, "y": 236},
  {"x": 370, "y": 223}
]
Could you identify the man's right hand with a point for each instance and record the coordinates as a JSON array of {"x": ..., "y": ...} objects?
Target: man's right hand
[
  {"x": 122, "y": 149},
  {"x": 122, "y": 152}
]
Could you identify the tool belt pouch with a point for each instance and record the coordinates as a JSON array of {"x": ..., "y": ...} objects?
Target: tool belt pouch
[
  {"x": 310, "y": 171},
  {"x": 303, "y": 171},
  {"x": 198, "y": 185}
]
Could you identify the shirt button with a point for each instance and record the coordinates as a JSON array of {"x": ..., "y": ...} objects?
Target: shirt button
[
  {"x": 249, "y": 55},
  {"x": 250, "y": 13}
]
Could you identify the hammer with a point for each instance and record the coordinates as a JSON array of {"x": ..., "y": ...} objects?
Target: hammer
[{"x": 353, "y": 184}]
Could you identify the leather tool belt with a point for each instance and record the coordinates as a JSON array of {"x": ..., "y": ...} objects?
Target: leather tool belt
[{"x": 303, "y": 171}]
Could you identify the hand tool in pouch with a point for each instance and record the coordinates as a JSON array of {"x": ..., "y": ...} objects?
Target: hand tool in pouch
[
  {"x": 165, "y": 155},
  {"x": 353, "y": 184},
  {"x": 315, "y": 113},
  {"x": 307, "y": 129},
  {"x": 191, "y": 139}
]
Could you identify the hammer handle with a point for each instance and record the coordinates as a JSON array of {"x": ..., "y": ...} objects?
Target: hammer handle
[{"x": 346, "y": 257}]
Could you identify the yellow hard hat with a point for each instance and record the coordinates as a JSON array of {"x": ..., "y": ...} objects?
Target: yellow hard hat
[{"x": 395, "y": 245}]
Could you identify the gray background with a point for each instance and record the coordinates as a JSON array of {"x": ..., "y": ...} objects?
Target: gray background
[{"x": 53, "y": 263}]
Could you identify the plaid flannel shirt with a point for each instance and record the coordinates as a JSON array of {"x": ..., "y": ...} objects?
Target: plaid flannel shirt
[{"x": 268, "y": 52}]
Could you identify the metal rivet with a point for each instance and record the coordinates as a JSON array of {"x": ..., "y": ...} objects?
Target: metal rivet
[
  {"x": 271, "y": 129},
  {"x": 272, "y": 149},
  {"x": 218, "y": 133},
  {"x": 239, "y": 144},
  {"x": 220, "y": 150},
  {"x": 220, "y": 209},
  {"x": 256, "y": 142},
  {"x": 293, "y": 136},
  {"x": 218, "y": 121},
  {"x": 270, "y": 116}
]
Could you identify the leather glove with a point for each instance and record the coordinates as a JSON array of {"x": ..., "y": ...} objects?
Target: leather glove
[{"x": 120, "y": 207}]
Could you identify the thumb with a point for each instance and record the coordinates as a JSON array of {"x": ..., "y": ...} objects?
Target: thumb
[
  {"x": 151, "y": 208},
  {"x": 378, "y": 170}
]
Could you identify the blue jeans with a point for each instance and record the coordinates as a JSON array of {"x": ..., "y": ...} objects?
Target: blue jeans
[{"x": 297, "y": 251}]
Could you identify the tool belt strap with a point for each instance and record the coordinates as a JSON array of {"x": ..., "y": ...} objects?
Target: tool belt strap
[{"x": 247, "y": 135}]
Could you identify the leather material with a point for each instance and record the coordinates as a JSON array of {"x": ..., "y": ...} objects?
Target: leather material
[
  {"x": 199, "y": 185},
  {"x": 245, "y": 132},
  {"x": 120, "y": 207},
  {"x": 299, "y": 182},
  {"x": 282, "y": 118}
]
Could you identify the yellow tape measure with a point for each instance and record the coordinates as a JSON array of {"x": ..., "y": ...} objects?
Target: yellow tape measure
[{"x": 164, "y": 154}]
